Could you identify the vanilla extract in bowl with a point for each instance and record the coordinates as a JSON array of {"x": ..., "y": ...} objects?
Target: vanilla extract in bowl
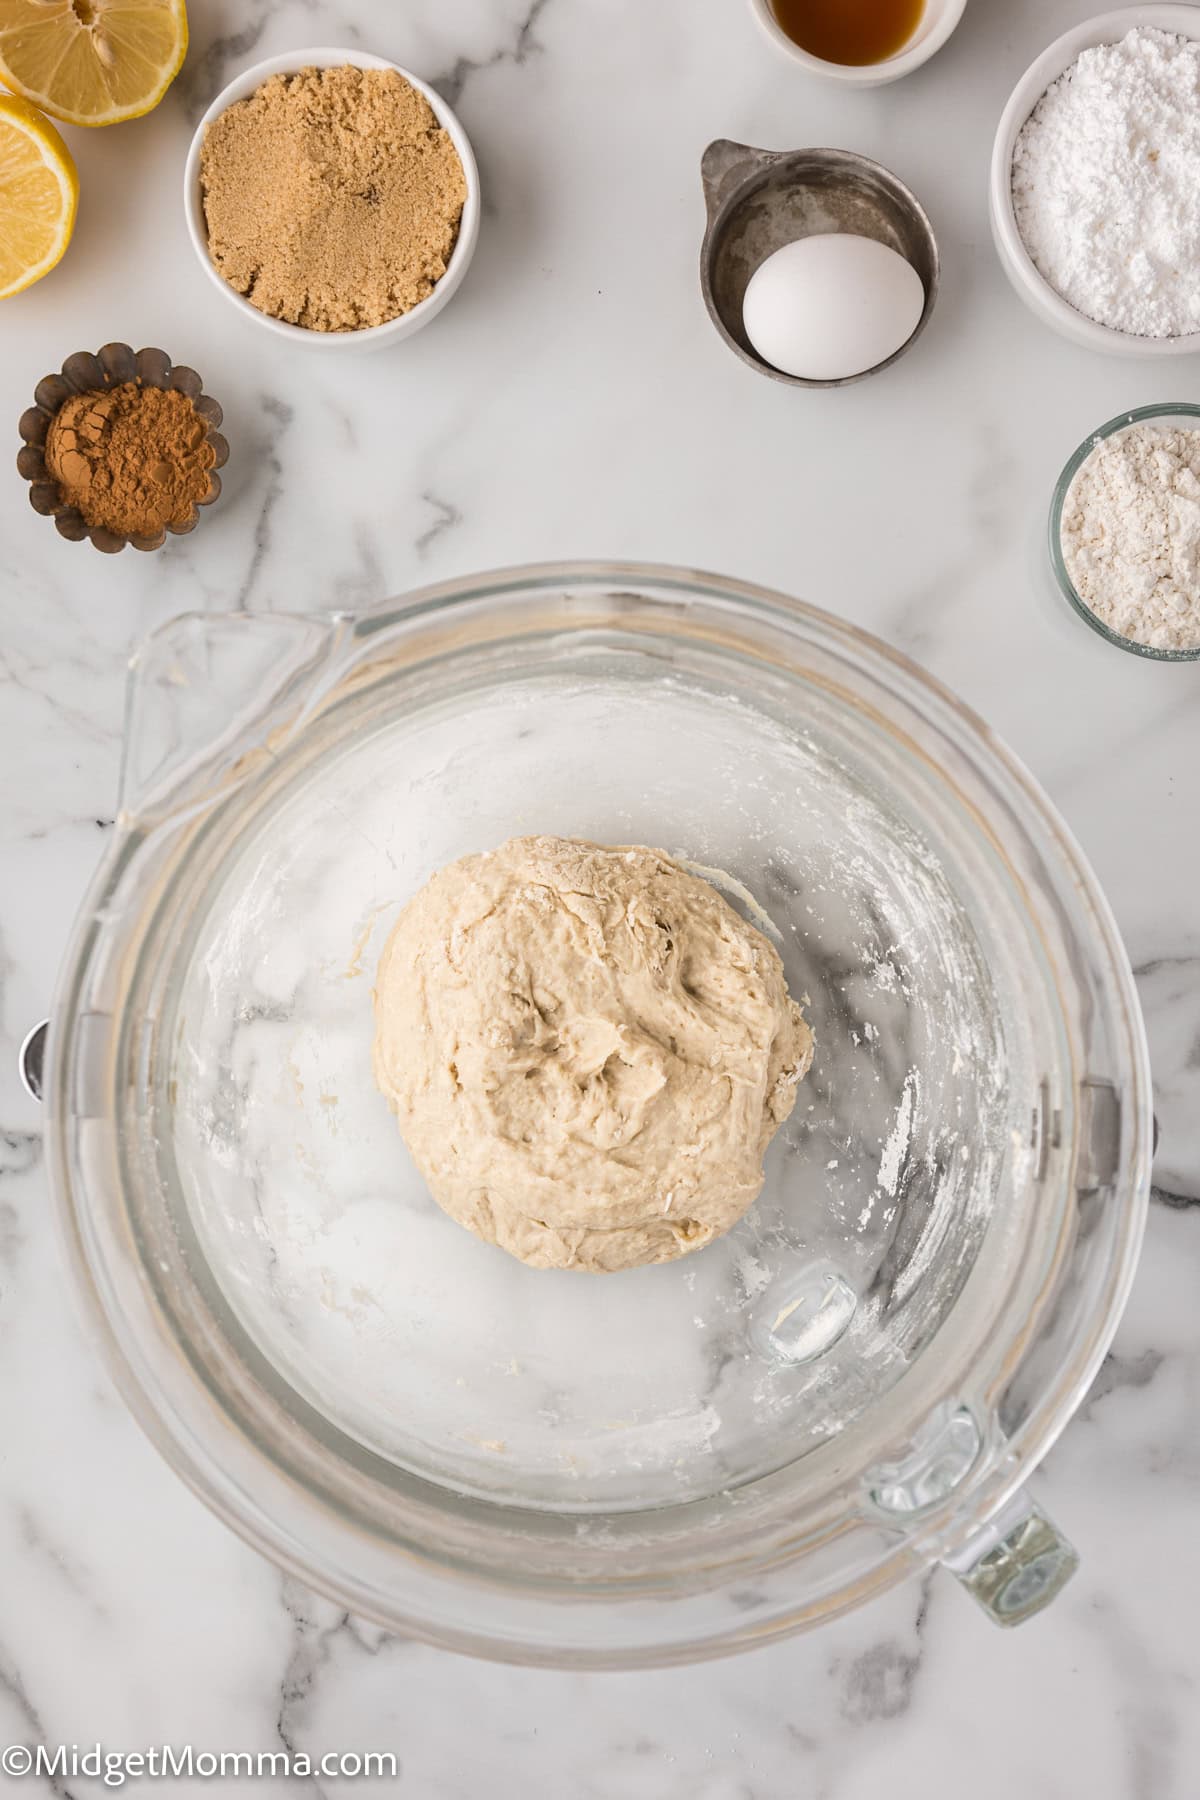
[{"x": 851, "y": 32}]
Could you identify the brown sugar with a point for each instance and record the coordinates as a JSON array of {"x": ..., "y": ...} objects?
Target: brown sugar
[
  {"x": 130, "y": 459},
  {"x": 332, "y": 197}
]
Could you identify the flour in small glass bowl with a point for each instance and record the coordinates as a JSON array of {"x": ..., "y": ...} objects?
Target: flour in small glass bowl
[
  {"x": 1130, "y": 534},
  {"x": 1106, "y": 184}
]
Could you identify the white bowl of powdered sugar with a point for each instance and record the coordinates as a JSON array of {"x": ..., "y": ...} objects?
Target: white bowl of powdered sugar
[{"x": 1095, "y": 183}]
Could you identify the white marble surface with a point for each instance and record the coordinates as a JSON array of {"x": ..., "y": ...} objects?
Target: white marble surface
[{"x": 574, "y": 400}]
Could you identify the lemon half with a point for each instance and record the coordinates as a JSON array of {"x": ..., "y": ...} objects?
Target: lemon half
[
  {"x": 38, "y": 192},
  {"x": 92, "y": 62}
]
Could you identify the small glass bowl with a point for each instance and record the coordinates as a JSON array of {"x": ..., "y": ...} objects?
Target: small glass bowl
[
  {"x": 1180, "y": 413},
  {"x": 84, "y": 372}
]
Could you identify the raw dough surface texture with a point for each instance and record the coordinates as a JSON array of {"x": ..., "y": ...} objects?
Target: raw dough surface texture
[{"x": 587, "y": 1050}]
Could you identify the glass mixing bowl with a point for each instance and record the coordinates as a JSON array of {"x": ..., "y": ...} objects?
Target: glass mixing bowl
[{"x": 546, "y": 1465}]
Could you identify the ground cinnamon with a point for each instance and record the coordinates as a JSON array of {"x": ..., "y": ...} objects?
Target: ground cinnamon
[{"x": 130, "y": 459}]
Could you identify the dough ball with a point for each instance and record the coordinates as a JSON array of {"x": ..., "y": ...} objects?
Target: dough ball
[{"x": 587, "y": 1049}]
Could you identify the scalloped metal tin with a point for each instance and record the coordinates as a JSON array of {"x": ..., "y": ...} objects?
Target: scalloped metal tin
[{"x": 86, "y": 372}]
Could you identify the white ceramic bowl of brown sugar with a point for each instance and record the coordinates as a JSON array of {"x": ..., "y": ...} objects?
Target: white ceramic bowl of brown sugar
[{"x": 367, "y": 336}]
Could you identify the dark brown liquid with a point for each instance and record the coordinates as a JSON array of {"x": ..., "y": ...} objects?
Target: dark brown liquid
[{"x": 849, "y": 31}]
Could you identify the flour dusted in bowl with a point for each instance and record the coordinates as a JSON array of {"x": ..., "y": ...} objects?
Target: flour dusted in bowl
[
  {"x": 1130, "y": 535},
  {"x": 1106, "y": 184}
]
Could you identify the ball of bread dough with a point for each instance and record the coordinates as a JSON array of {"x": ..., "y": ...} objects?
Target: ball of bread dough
[{"x": 587, "y": 1049}]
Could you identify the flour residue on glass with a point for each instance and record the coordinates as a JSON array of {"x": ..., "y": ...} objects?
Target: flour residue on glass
[
  {"x": 900, "y": 1136},
  {"x": 660, "y": 1384}
]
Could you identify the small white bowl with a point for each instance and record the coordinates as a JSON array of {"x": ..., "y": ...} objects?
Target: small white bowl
[
  {"x": 936, "y": 23},
  {"x": 1019, "y": 266},
  {"x": 371, "y": 337}
]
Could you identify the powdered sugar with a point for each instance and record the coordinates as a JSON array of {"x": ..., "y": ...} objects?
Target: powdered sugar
[
  {"x": 1131, "y": 535},
  {"x": 1106, "y": 184}
]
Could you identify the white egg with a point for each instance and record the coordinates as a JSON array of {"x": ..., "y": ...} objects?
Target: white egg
[{"x": 831, "y": 305}]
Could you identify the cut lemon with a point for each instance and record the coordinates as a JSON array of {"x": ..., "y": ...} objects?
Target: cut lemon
[
  {"x": 92, "y": 62},
  {"x": 38, "y": 192}
]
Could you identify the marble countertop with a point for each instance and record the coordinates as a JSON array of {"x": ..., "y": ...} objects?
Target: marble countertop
[{"x": 575, "y": 401}]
